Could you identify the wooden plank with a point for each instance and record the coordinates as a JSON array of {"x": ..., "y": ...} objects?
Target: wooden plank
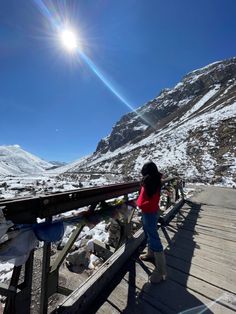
[
  {"x": 213, "y": 254},
  {"x": 195, "y": 225},
  {"x": 169, "y": 297},
  {"x": 204, "y": 239},
  {"x": 213, "y": 209},
  {"x": 176, "y": 295},
  {"x": 213, "y": 232},
  {"x": 220, "y": 232},
  {"x": 201, "y": 244},
  {"x": 209, "y": 220},
  {"x": 125, "y": 297},
  {"x": 210, "y": 214},
  {"x": 199, "y": 284},
  {"x": 208, "y": 225},
  {"x": 217, "y": 273},
  {"x": 217, "y": 279},
  {"x": 108, "y": 307},
  {"x": 189, "y": 247},
  {"x": 226, "y": 226},
  {"x": 206, "y": 289},
  {"x": 216, "y": 196},
  {"x": 200, "y": 217},
  {"x": 212, "y": 265},
  {"x": 194, "y": 285}
]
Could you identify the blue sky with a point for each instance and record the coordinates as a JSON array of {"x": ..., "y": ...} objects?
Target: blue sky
[{"x": 51, "y": 102}]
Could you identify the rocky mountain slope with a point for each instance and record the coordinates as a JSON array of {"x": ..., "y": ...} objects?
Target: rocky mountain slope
[
  {"x": 16, "y": 161},
  {"x": 190, "y": 129}
]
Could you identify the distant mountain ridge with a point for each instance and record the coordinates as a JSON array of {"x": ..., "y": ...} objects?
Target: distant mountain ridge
[
  {"x": 16, "y": 161},
  {"x": 191, "y": 129},
  {"x": 163, "y": 108}
]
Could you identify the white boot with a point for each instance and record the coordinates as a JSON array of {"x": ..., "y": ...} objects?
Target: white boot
[
  {"x": 149, "y": 256},
  {"x": 159, "y": 272}
]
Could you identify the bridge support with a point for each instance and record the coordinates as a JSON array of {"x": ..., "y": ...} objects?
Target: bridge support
[
  {"x": 19, "y": 295},
  {"x": 50, "y": 273},
  {"x": 82, "y": 297}
]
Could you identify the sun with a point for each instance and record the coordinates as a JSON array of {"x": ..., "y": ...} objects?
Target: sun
[{"x": 69, "y": 39}]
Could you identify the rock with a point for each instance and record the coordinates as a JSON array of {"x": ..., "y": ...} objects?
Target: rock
[{"x": 78, "y": 258}]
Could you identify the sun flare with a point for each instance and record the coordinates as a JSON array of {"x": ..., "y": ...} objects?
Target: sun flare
[{"x": 69, "y": 39}]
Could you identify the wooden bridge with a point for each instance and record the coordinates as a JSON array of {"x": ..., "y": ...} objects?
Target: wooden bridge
[{"x": 201, "y": 257}]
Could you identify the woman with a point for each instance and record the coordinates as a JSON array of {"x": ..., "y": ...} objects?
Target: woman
[{"x": 148, "y": 202}]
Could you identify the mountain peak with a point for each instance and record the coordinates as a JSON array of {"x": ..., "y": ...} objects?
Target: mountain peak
[
  {"x": 189, "y": 129},
  {"x": 194, "y": 129},
  {"x": 16, "y": 161}
]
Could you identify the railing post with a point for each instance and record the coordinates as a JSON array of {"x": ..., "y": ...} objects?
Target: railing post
[
  {"x": 19, "y": 298},
  {"x": 127, "y": 222},
  {"x": 168, "y": 199},
  {"x": 10, "y": 306},
  {"x": 45, "y": 273},
  {"x": 182, "y": 188},
  {"x": 24, "y": 296},
  {"x": 177, "y": 185}
]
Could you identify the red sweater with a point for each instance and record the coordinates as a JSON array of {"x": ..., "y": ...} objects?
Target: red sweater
[{"x": 147, "y": 204}]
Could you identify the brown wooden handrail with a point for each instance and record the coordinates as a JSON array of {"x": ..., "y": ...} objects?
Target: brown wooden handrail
[{"x": 27, "y": 210}]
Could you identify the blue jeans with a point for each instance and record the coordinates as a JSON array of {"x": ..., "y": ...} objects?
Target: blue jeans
[{"x": 149, "y": 221}]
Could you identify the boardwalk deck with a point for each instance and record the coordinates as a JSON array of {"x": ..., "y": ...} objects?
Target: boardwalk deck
[{"x": 201, "y": 261}]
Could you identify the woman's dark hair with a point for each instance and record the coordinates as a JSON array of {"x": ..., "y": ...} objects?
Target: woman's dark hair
[{"x": 151, "y": 178}]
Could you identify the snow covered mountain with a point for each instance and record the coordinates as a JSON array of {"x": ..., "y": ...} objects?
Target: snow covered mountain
[
  {"x": 190, "y": 129},
  {"x": 16, "y": 161}
]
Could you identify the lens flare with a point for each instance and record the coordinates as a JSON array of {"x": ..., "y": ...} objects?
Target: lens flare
[{"x": 69, "y": 40}]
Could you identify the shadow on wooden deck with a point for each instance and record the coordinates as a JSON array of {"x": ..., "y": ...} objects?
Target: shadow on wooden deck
[{"x": 171, "y": 296}]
